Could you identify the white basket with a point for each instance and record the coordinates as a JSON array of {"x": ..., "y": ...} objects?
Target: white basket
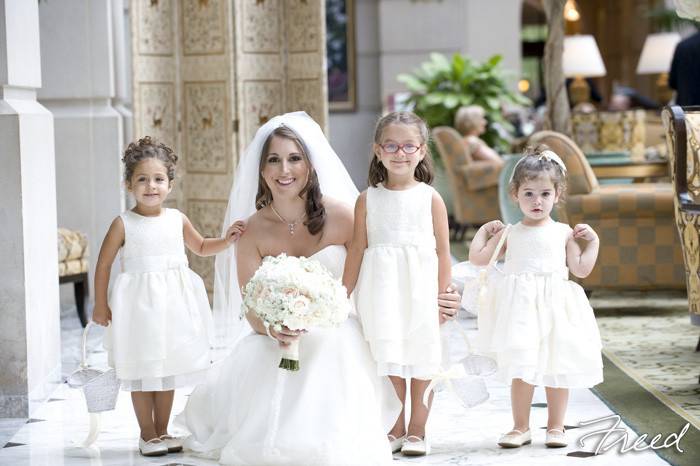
[{"x": 100, "y": 387}]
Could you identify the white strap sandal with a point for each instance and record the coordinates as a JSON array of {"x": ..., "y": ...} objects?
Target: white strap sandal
[
  {"x": 396, "y": 442},
  {"x": 515, "y": 439},
  {"x": 174, "y": 444},
  {"x": 154, "y": 447},
  {"x": 417, "y": 447},
  {"x": 556, "y": 438}
]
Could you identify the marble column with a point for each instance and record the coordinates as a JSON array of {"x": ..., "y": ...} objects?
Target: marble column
[
  {"x": 77, "y": 62},
  {"x": 122, "y": 66},
  {"x": 30, "y": 351}
]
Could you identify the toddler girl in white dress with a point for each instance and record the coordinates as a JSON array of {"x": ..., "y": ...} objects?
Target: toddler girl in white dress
[
  {"x": 400, "y": 249},
  {"x": 535, "y": 322},
  {"x": 160, "y": 328}
]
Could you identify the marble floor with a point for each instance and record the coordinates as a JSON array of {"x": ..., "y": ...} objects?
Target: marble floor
[{"x": 53, "y": 435}]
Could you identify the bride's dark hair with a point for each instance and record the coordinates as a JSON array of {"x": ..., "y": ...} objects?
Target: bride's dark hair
[{"x": 315, "y": 211}]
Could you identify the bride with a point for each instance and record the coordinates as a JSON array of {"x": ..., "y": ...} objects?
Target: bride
[{"x": 335, "y": 410}]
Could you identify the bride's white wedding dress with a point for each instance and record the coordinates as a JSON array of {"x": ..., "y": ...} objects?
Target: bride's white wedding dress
[{"x": 334, "y": 411}]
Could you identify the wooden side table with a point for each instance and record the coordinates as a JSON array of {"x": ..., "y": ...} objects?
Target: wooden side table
[
  {"x": 81, "y": 290},
  {"x": 607, "y": 165}
]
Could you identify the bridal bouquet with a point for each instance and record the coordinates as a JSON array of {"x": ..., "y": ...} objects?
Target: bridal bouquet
[{"x": 297, "y": 293}]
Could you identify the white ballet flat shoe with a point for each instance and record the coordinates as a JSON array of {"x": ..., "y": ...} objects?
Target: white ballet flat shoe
[
  {"x": 174, "y": 444},
  {"x": 515, "y": 439},
  {"x": 154, "y": 447},
  {"x": 396, "y": 443},
  {"x": 556, "y": 438},
  {"x": 417, "y": 447}
]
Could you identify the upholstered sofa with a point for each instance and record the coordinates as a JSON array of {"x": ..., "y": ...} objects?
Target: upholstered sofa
[
  {"x": 639, "y": 245},
  {"x": 474, "y": 183}
]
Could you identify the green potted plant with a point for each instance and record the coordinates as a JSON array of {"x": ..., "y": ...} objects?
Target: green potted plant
[{"x": 440, "y": 86}]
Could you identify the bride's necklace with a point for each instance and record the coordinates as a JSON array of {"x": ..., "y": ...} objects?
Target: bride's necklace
[{"x": 291, "y": 225}]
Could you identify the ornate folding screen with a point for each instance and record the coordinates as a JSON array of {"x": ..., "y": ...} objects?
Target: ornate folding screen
[{"x": 208, "y": 73}]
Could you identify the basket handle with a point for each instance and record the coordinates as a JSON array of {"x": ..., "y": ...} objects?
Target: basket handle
[
  {"x": 83, "y": 359},
  {"x": 464, "y": 336},
  {"x": 499, "y": 245}
]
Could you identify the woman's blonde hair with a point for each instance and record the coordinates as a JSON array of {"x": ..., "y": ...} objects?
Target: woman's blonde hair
[{"x": 467, "y": 118}]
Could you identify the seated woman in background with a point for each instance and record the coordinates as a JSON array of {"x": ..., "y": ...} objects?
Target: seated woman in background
[{"x": 471, "y": 123}]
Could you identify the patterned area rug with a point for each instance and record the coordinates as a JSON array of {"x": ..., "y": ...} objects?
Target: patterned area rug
[
  {"x": 649, "y": 336},
  {"x": 651, "y": 367}
]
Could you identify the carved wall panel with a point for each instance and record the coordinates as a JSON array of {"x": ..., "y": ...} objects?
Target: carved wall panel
[
  {"x": 304, "y": 94},
  {"x": 157, "y": 108},
  {"x": 205, "y": 127},
  {"x": 206, "y": 215},
  {"x": 206, "y": 89},
  {"x": 302, "y": 25},
  {"x": 203, "y": 27},
  {"x": 260, "y": 25},
  {"x": 306, "y": 86},
  {"x": 263, "y": 101},
  {"x": 155, "y": 27},
  {"x": 183, "y": 88},
  {"x": 280, "y": 61},
  {"x": 155, "y": 92}
]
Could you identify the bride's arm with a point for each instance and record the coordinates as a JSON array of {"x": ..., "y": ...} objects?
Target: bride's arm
[{"x": 248, "y": 259}]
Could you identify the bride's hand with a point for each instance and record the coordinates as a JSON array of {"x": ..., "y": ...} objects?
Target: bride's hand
[{"x": 286, "y": 336}]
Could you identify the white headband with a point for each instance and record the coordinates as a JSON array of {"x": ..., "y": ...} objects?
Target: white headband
[{"x": 544, "y": 155}]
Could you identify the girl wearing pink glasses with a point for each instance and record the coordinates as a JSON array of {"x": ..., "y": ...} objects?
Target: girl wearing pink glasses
[{"x": 399, "y": 260}]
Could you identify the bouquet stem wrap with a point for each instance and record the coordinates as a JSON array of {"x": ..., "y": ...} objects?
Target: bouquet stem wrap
[{"x": 290, "y": 356}]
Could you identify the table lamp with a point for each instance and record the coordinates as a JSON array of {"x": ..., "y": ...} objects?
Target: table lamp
[
  {"x": 581, "y": 60},
  {"x": 656, "y": 57}
]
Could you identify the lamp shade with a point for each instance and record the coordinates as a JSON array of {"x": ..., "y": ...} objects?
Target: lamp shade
[
  {"x": 657, "y": 53},
  {"x": 582, "y": 57}
]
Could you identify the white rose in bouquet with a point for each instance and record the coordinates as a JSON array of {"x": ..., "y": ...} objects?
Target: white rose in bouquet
[{"x": 297, "y": 293}]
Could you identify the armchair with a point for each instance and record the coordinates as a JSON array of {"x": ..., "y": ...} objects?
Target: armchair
[
  {"x": 474, "y": 183},
  {"x": 683, "y": 138},
  {"x": 639, "y": 247}
]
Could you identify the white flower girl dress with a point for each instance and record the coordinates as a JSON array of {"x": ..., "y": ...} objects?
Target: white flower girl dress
[{"x": 536, "y": 323}]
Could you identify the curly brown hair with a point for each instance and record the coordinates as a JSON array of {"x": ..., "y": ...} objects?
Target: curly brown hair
[
  {"x": 315, "y": 210},
  {"x": 424, "y": 169},
  {"x": 532, "y": 167},
  {"x": 148, "y": 148}
]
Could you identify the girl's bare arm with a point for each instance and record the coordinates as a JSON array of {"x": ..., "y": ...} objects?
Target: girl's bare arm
[
  {"x": 114, "y": 239},
  {"x": 201, "y": 246},
  {"x": 581, "y": 262},
  {"x": 357, "y": 246},
  {"x": 484, "y": 242}
]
